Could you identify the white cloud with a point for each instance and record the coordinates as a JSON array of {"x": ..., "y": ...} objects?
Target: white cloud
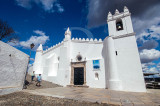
[
  {"x": 158, "y": 66},
  {"x": 34, "y": 39},
  {"x": 143, "y": 16},
  {"x": 144, "y": 67},
  {"x": 153, "y": 70},
  {"x": 150, "y": 44},
  {"x": 39, "y": 32},
  {"x": 149, "y": 67},
  {"x": 153, "y": 32},
  {"x": 148, "y": 18},
  {"x": 59, "y": 7},
  {"x": 148, "y": 64},
  {"x": 24, "y": 3},
  {"x": 47, "y": 5},
  {"x": 149, "y": 39},
  {"x": 41, "y": 39},
  {"x": 149, "y": 55}
]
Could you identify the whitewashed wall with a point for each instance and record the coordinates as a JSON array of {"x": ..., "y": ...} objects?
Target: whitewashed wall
[
  {"x": 30, "y": 70},
  {"x": 128, "y": 75},
  {"x": 91, "y": 50},
  {"x": 12, "y": 68},
  {"x": 59, "y": 72},
  {"x": 54, "y": 70},
  {"x": 129, "y": 65}
]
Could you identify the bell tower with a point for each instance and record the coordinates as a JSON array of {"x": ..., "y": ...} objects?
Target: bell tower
[
  {"x": 122, "y": 59},
  {"x": 120, "y": 24}
]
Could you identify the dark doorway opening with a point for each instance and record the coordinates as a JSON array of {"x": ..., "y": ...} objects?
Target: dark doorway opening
[{"x": 79, "y": 76}]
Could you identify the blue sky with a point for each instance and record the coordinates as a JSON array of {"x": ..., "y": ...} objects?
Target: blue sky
[{"x": 45, "y": 21}]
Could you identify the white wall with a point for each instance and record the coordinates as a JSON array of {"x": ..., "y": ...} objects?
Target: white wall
[
  {"x": 129, "y": 70},
  {"x": 91, "y": 80},
  {"x": 46, "y": 64},
  {"x": 129, "y": 65},
  {"x": 13, "y": 68},
  {"x": 54, "y": 70},
  {"x": 91, "y": 50},
  {"x": 30, "y": 70}
]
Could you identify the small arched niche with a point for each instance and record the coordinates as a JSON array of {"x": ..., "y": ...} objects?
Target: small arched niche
[
  {"x": 96, "y": 76},
  {"x": 119, "y": 24}
]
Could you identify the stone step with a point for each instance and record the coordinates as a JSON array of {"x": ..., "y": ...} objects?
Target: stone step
[{"x": 83, "y": 86}]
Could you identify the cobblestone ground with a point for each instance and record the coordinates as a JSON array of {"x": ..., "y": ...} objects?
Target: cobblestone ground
[{"x": 26, "y": 99}]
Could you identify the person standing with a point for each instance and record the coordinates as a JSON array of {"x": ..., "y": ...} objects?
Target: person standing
[
  {"x": 32, "y": 76},
  {"x": 39, "y": 79}
]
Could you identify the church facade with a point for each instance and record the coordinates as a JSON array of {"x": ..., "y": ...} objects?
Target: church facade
[{"x": 113, "y": 63}]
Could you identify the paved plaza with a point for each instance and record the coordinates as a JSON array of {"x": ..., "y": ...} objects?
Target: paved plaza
[{"x": 151, "y": 98}]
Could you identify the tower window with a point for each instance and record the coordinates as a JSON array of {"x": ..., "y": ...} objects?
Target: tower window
[
  {"x": 119, "y": 25},
  {"x": 116, "y": 53}
]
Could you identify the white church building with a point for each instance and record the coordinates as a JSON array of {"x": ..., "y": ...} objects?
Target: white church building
[{"x": 113, "y": 63}]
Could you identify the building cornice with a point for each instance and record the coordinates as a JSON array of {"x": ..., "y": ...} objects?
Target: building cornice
[{"x": 122, "y": 36}]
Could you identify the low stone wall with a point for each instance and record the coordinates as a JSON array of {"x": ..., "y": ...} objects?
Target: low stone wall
[{"x": 13, "y": 66}]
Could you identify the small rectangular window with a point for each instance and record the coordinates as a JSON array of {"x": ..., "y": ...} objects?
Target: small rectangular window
[{"x": 116, "y": 53}]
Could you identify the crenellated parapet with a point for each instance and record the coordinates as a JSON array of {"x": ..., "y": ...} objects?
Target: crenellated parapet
[
  {"x": 80, "y": 40},
  {"x": 68, "y": 38},
  {"x": 87, "y": 40},
  {"x": 118, "y": 14}
]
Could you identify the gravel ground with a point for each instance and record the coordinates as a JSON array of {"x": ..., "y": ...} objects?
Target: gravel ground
[
  {"x": 27, "y": 99},
  {"x": 44, "y": 84}
]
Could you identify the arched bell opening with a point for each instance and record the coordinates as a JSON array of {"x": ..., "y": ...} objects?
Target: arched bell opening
[{"x": 119, "y": 25}]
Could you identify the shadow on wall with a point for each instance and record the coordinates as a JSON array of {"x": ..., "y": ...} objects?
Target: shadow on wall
[
  {"x": 104, "y": 55},
  {"x": 13, "y": 65}
]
